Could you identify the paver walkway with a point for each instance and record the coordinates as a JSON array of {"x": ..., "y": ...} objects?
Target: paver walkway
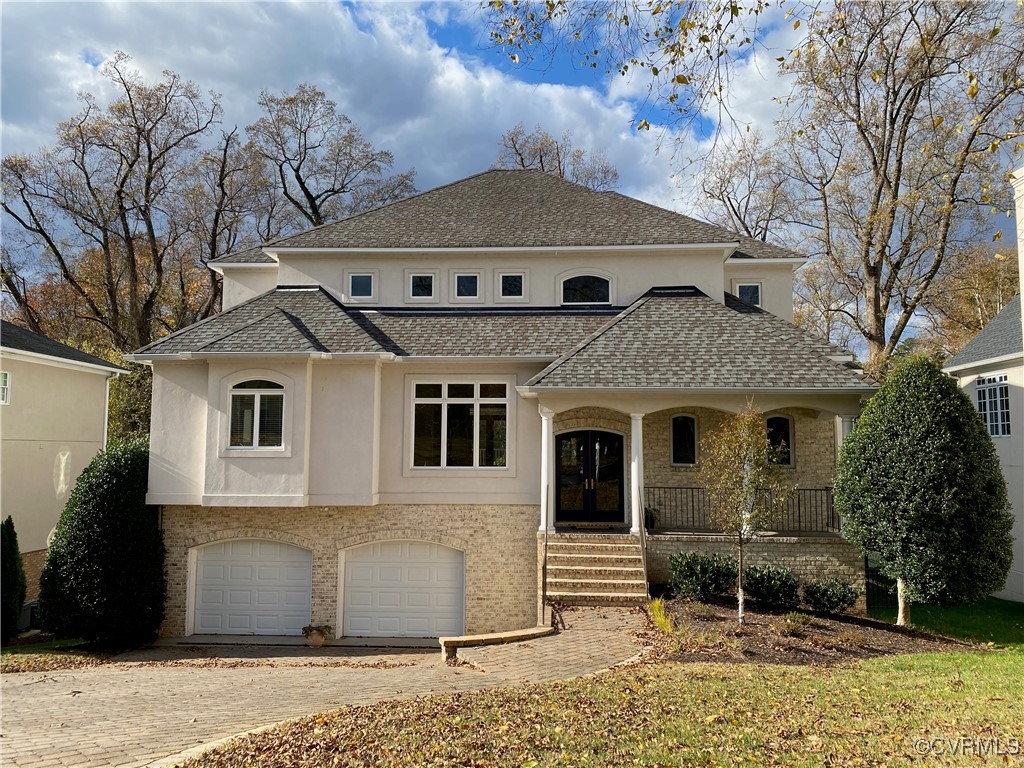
[{"x": 148, "y": 705}]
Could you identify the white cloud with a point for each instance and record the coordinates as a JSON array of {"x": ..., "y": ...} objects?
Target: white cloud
[{"x": 439, "y": 109}]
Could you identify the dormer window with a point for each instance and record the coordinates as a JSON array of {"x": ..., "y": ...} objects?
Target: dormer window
[
  {"x": 360, "y": 286},
  {"x": 749, "y": 293},
  {"x": 257, "y": 414},
  {"x": 466, "y": 287},
  {"x": 421, "y": 285},
  {"x": 586, "y": 289}
]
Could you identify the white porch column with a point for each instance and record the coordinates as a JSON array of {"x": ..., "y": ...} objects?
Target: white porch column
[
  {"x": 547, "y": 440},
  {"x": 844, "y": 425},
  {"x": 636, "y": 472}
]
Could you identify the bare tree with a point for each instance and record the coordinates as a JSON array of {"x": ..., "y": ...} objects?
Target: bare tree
[
  {"x": 325, "y": 167},
  {"x": 539, "y": 150},
  {"x": 95, "y": 213},
  {"x": 898, "y": 112}
]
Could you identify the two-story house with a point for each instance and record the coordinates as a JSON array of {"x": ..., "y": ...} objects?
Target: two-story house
[{"x": 427, "y": 419}]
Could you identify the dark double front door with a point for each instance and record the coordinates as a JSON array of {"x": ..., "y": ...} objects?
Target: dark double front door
[{"x": 590, "y": 474}]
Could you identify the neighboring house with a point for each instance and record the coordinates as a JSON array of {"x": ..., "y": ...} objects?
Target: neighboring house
[
  {"x": 53, "y": 420},
  {"x": 426, "y": 419}
]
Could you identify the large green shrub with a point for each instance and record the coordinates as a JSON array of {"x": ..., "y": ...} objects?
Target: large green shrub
[
  {"x": 831, "y": 595},
  {"x": 12, "y": 581},
  {"x": 773, "y": 586},
  {"x": 697, "y": 576},
  {"x": 104, "y": 574},
  {"x": 918, "y": 482}
]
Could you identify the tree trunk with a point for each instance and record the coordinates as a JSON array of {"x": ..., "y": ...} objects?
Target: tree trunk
[
  {"x": 739, "y": 586},
  {"x": 903, "y": 617}
]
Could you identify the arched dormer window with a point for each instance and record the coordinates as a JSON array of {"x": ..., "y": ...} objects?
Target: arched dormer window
[
  {"x": 780, "y": 435},
  {"x": 586, "y": 289},
  {"x": 257, "y": 414}
]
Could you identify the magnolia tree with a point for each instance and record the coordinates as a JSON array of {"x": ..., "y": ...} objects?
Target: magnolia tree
[
  {"x": 746, "y": 485},
  {"x": 918, "y": 481}
]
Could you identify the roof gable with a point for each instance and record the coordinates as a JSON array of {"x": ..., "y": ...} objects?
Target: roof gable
[{"x": 1000, "y": 338}]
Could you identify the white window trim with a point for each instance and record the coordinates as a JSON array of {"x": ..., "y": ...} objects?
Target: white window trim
[
  {"x": 672, "y": 439},
  {"x": 501, "y": 299},
  {"x": 453, "y": 288},
  {"x": 509, "y": 470},
  {"x": 992, "y": 383},
  {"x": 226, "y": 450},
  {"x": 433, "y": 298},
  {"x": 373, "y": 298},
  {"x": 5, "y": 388},
  {"x": 792, "y": 435},
  {"x": 736, "y": 284}
]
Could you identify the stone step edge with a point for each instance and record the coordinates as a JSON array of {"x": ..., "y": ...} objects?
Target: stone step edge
[{"x": 450, "y": 645}]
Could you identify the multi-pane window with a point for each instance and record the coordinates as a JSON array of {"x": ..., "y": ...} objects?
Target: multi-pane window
[
  {"x": 586, "y": 289},
  {"x": 780, "y": 435},
  {"x": 5, "y": 388},
  {"x": 257, "y": 414},
  {"x": 460, "y": 424},
  {"x": 684, "y": 440},
  {"x": 994, "y": 404}
]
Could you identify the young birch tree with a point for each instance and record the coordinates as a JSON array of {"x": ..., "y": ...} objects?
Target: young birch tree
[{"x": 746, "y": 484}]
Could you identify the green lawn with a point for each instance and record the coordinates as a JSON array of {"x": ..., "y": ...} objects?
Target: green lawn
[
  {"x": 991, "y": 621},
  {"x": 671, "y": 714}
]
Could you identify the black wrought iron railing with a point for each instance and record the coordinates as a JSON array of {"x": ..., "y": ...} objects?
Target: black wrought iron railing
[{"x": 807, "y": 510}]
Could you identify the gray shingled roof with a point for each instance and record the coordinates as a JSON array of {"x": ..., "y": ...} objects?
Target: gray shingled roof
[
  {"x": 1001, "y": 337},
  {"x": 17, "y": 338},
  {"x": 516, "y": 208},
  {"x": 248, "y": 256},
  {"x": 310, "y": 320},
  {"x": 680, "y": 338}
]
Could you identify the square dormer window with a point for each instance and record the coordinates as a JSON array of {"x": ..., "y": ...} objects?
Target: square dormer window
[
  {"x": 465, "y": 286},
  {"x": 749, "y": 293},
  {"x": 360, "y": 286},
  {"x": 511, "y": 286},
  {"x": 421, "y": 286}
]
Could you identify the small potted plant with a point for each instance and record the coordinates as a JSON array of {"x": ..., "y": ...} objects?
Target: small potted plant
[{"x": 316, "y": 634}]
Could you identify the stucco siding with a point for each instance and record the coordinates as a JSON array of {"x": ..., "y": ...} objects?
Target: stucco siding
[
  {"x": 177, "y": 444},
  {"x": 242, "y": 284},
  {"x": 499, "y": 542},
  {"x": 52, "y": 428}
]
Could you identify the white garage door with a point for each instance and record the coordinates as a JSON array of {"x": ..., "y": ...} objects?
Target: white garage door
[
  {"x": 403, "y": 589},
  {"x": 252, "y": 587}
]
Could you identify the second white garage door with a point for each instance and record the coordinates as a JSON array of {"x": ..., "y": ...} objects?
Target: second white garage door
[{"x": 403, "y": 589}]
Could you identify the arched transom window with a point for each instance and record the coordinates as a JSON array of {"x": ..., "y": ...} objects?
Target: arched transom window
[
  {"x": 586, "y": 289},
  {"x": 257, "y": 414}
]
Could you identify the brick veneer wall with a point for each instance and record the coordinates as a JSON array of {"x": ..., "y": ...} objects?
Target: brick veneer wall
[
  {"x": 500, "y": 543},
  {"x": 810, "y": 558},
  {"x": 814, "y": 454}
]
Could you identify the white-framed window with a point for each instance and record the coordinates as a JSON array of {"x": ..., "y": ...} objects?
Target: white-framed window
[
  {"x": 256, "y": 415},
  {"x": 466, "y": 287},
  {"x": 749, "y": 292},
  {"x": 684, "y": 440},
  {"x": 361, "y": 285},
  {"x": 586, "y": 289},
  {"x": 511, "y": 286},
  {"x": 422, "y": 286},
  {"x": 5, "y": 388},
  {"x": 780, "y": 435},
  {"x": 994, "y": 403},
  {"x": 460, "y": 424}
]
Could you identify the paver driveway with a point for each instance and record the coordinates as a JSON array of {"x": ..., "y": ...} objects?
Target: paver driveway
[{"x": 146, "y": 706}]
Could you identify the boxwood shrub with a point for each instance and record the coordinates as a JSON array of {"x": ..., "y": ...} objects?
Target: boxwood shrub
[
  {"x": 12, "y": 581},
  {"x": 104, "y": 575},
  {"x": 700, "y": 576},
  {"x": 831, "y": 595},
  {"x": 772, "y": 586}
]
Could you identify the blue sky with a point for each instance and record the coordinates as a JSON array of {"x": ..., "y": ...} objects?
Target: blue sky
[{"x": 421, "y": 80}]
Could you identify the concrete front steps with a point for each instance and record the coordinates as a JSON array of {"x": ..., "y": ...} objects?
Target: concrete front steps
[{"x": 595, "y": 569}]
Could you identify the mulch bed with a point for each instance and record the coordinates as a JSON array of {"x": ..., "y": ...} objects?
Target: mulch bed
[{"x": 710, "y": 632}]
